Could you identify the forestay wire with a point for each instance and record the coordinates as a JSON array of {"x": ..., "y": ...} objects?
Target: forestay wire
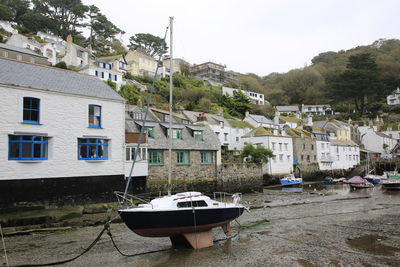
[{"x": 142, "y": 129}]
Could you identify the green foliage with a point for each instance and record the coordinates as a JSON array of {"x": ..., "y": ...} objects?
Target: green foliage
[
  {"x": 358, "y": 82},
  {"x": 151, "y": 44},
  {"x": 130, "y": 92},
  {"x": 257, "y": 154},
  {"x": 73, "y": 68},
  {"x": 61, "y": 65},
  {"x": 112, "y": 84},
  {"x": 237, "y": 105}
]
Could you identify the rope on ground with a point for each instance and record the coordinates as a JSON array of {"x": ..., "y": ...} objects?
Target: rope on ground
[
  {"x": 106, "y": 226},
  {"x": 230, "y": 237}
]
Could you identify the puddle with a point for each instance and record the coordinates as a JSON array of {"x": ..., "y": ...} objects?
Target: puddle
[
  {"x": 371, "y": 244},
  {"x": 306, "y": 263}
]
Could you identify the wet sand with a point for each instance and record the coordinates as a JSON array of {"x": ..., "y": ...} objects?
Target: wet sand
[{"x": 320, "y": 226}]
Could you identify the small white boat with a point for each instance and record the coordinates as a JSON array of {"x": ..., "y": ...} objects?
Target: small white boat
[{"x": 290, "y": 179}]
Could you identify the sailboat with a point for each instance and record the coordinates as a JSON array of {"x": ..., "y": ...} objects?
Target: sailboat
[{"x": 186, "y": 217}]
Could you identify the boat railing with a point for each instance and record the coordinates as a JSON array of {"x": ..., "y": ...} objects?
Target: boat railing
[
  {"x": 224, "y": 197},
  {"x": 127, "y": 200}
]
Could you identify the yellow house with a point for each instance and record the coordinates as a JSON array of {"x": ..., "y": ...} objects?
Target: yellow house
[
  {"x": 177, "y": 64},
  {"x": 139, "y": 63}
]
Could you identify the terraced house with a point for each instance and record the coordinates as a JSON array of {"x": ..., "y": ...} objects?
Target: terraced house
[
  {"x": 195, "y": 148},
  {"x": 281, "y": 145},
  {"x": 60, "y": 134}
]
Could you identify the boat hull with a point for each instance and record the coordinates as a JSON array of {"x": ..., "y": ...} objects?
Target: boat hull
[
  {"x": 285, "y": 182},
  {"x": 177, "y": 222},
  {"x": 391, "y": 186},
  {"x": 361, "y": 186}
]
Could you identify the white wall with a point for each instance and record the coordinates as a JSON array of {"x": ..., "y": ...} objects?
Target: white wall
[
  {"x": 324, "y": 157},
  {"x": 283, "y": 162},
  {"x": 92, "y": 71},
  {"x": 65, "y": 119},
  {"x": 345, "y": 156}
]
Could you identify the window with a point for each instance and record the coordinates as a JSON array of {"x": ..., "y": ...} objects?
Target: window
[
  {"x": 337, "y": 157},
  {"x": 166, "y": 118},
  {"x": 302, "y": 157},
  {"x": 137, "y": 116},
  {"x": 115, "y": 77},
  {"x": 150, "y": 131},
  {"x": 185, "y": 121},
  {"x": 102, "y": 74},
  {"x": 5, "y": 53},
  {"x": 24, "y": 147},
  {"x": 19, "y": 57},
  {"x": 323, "y": 146},
  {"x": 237, "y": 139},
  {"x": 304, "y": 146},
  {"x": 225, "y": 136},
  {"x": 288, "y": 157},
  {"x": 182, "y": 157},
  {"x": 312, "y": 147},
  {"x": 273, "y": 145},
  {"x": 155, "y": 157},
  {"x": 286, "y": 146},
  {"x": 92, "y": 149},
  {"x": 308, "y": 158},
  {"x": 176, "y": 134},
  {"x": 130, "y": 153},
  {"x": 96, "y": 73},
  {"x": 206, "y": 157},
  {"x": 109, "y": 76},
  {"x": 274, "y": 159},
  {"x": 94, "y": 116},
  {"x": 280, "y": 157},
  {"x": 198, "y": 135},
  {"x": 280, "y": 146},
  {"x": 189, "y": 204},
  {"x": 32, "y": 59},
  {"x": 31, "y": 110}
]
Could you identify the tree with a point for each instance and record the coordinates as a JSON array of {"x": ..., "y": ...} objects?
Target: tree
[
  {"x": 13, "y": 10},
  {"x": 358, "y": 82},
  {"x": 61, "y": 65},
  {"x": 130, "y": 92},
  {"x": 65, "y": 16},
  {"x": 102, "y": 31},
  {"x": 257, "y": 154},
  {"x": 236, "y": 105},
  {"x": 153, "y": 45}
]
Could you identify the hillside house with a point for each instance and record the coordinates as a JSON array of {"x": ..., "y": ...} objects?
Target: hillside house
[
  {"x": 316, "y": 110},
  {"x": 22, "y": 54},
  {"x": 259, "y": 120},
  {"x": 288, "y": 110},
  {"x": 304, "y": 146},
  {"x": 139, "y": 63},
  {"x": 255, "y": 98},
  {"x": 394, "y": 97}
]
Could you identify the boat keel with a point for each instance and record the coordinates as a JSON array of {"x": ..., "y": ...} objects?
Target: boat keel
[
  {"x": 195, "y": 240},
  {"x": 227, "y": 229}
]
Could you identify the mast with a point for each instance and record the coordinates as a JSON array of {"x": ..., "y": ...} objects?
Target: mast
[{"x": 171, "y": 64}]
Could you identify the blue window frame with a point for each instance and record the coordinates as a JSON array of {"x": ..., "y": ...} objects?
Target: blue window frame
[
  {"x": 31, "y": 112},
  {"x": 115, "y": 77},
  {"x": 92, "y": 149},
  {"x": 109, "y": 76},
  {"x": 27, "y": 147},
  {"x": 97, "y": 73},
  {"x": 94, "y": 116}
]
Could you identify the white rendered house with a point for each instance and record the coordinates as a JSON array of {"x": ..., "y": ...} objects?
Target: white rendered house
[
  {"x": 345, "y": 154},
  {"x": 255, "y": 98},
  {"x": 279, "y": 143},
  {"x": 58, "y": 124},
  {"x": 377, "y": 141}
]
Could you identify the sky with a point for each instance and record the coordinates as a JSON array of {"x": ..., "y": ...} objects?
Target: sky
[{"x": 257, "y": 36}]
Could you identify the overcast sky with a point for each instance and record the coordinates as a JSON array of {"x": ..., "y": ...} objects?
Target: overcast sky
[{"x": 258, "y": 36}]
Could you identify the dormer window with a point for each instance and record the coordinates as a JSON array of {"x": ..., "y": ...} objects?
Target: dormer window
[
  {"x": 185, "y": 121},
  {"x": 166, "y": 118},
  {"x": 198, "y": 135},
  {"x": 176, "y": 134},
  {"x": 150, "y": 131}
]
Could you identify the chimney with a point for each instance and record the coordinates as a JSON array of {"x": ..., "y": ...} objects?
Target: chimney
[
  {"x": 275, "y": 132},
  {"x": 283, "y": 133},
  {"x": 201, "y": 117},
  {"x": 69, "y": 39},
  {"x": 276, "y": 119}
]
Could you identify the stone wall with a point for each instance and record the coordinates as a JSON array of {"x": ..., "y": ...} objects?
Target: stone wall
[
  {"x": 193, "y": 170},
  {"x": 229, "y": 178}
]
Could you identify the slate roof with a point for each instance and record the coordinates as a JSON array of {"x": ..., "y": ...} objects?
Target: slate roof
[
  {"x": 160, "y": 140},
  {"x": 262, "y": 131},
  {"x": 287, "y": 108},
  {"x": 21, "y": 50},
  {"x": 343, "y": 142},
  {"x": 30, "y": 75},
  {"x": 260, "y": 118}
]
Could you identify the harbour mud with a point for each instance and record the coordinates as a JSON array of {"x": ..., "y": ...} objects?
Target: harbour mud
[{"x": 314, "y": 226}]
